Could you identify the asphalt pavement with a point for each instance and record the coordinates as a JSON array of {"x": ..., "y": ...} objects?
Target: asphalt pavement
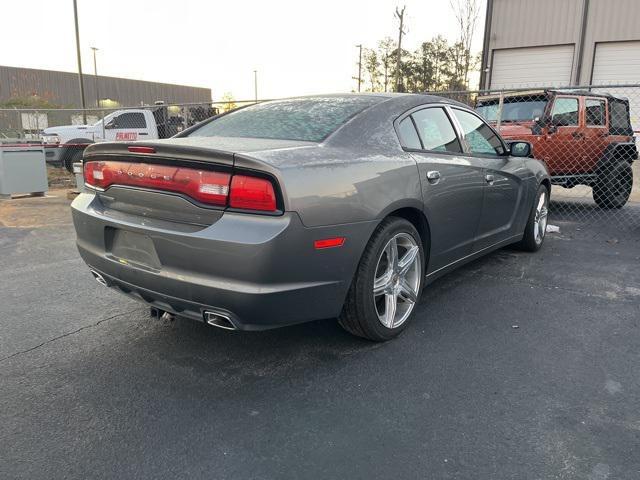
[{"x": 517, "y": 366}]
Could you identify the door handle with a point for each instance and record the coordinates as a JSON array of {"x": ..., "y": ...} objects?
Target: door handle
[
  {"x": 433, "y": 176},
  {"x": 489, "y": 178},
  {"x": 577, "y": 135},
  {"x": 143, "y": 133}
]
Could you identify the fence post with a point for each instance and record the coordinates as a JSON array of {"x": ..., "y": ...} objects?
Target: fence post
[{"x": 500, "y": 104}]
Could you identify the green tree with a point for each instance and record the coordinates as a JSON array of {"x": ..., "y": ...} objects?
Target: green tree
[
  {"x": 406, "y": 71},
  {"x": 228, "y": 102},
  {"x": 386, "y": 47},
  {"x": 372, "y": 69}
]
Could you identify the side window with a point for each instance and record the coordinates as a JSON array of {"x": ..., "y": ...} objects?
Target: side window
[
  {"x": 619, "y": 122},
  {"x": 436, "y": 131},
  {"x": 478, "y": 135},
  {"x": 595, "y": 110},
  {"x": 408, "y": 135},
  {"x": 565, "y": 112},
  {"x": 131, "y": 120}
]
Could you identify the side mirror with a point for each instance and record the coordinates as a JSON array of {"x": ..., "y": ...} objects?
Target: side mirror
[
  {"x": 110, "y": 125},
  {"x": 520, "y": 149}
]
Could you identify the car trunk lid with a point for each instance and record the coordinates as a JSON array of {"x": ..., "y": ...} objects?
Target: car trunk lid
[{"x": 150, "y": 180}]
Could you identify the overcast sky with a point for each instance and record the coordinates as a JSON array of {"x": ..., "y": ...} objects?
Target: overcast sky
[{"x": 297, "y": 46}]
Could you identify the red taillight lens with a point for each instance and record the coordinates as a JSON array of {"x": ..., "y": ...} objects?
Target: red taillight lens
[
  {"x": 201, "y": 185},
  {"x": 247, "y": 193},
  {"x": 252, "y": 193}
]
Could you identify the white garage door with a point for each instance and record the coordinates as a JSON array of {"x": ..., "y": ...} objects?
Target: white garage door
[
  {"x": 532, "y": 67},
  {"x": 619, "y": 63}
]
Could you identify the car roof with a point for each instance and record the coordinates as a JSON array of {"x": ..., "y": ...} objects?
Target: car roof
[{"x": 420, "y": 97}]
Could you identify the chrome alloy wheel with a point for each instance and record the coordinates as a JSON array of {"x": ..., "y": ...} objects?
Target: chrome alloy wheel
[
  {"x": 540, "y": 219},
  {"x": 397, "y": 280}
]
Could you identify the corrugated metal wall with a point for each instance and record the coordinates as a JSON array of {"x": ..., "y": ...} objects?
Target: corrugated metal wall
[
  {"x": 609, "y": 21},
  {"x": 62, "y": 88},
  {"x": 526, "y": 23},
  {"x": 523, "y": 23}
]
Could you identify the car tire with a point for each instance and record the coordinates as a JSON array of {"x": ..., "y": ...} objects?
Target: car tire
[
  {"x": 614, "y": 189},
  {"x": 536, "y": 229},
  {"x": 74, "y": 155},
  {"x": 384, "y": 314}
]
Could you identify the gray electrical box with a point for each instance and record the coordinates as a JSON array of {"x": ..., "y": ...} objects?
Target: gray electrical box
[{"x": 22, "y": 169}]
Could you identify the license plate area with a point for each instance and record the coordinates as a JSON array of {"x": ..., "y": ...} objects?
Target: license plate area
[{"x": 131, "y": 248}]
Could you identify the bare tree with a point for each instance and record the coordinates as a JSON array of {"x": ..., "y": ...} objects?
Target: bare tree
[{"x": 466, "y": 13}]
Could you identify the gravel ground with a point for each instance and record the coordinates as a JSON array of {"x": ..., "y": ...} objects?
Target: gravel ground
[{"x": 517, "y": 366}]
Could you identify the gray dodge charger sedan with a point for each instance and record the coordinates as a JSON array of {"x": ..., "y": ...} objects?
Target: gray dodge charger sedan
[{"x": 307, "y": 208}]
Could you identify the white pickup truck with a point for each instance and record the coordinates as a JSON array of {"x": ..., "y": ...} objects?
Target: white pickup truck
[{"x": 64, "y": 144}]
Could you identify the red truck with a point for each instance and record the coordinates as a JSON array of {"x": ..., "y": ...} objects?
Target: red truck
[{"x": 585, "y": 138}]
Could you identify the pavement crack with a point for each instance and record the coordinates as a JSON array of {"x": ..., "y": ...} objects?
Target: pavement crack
[{"x": 64, "y": 335}]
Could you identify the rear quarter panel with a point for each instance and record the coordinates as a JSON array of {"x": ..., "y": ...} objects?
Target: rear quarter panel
[{"x": 329, "y": 186}]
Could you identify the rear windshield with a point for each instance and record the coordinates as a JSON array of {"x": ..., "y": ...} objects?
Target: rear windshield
[
  {"x": 308, "y": 119},
  {"x": 515, "y": 109}
]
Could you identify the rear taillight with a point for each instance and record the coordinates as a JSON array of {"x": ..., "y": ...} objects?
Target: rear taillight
[
  {"x": 205, "y": 186},
  {"x": 252, "y": 193},
  {"x": 202, "y": 185}
]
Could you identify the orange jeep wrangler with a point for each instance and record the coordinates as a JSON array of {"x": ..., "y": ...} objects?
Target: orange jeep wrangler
[{"x": 584, "y": 138}]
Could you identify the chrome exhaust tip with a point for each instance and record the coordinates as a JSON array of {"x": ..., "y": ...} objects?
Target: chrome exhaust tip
[
  {"x": 99, "y": 278},
  {"x": 219, "y": 320}
]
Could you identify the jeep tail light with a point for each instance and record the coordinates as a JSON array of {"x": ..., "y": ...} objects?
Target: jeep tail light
[
  {"x": 252, "y": 193},
  {"x": 205, "y": 186}
]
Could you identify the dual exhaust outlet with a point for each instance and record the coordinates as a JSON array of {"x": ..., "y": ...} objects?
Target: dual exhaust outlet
[{"x": 215, "y": 319}]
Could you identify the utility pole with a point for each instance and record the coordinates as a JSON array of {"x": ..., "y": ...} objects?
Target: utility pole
[
  {"x": 255, "y": 85},
  {"x": 95, "y": 75},
  {"x": 359, "y": 66},
  {"x": 80, "y": 79},
  {"x": 400, "y": 15}
]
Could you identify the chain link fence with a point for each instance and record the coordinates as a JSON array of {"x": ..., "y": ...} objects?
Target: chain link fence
[
  {"x": 587, "y": 138},
  {"x": 585, "y": 135},
  {"x": 65, "y": 132},
  {"x": 29, "y": 124}
]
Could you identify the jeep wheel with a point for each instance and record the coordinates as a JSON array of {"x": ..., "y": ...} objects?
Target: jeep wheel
[{"x": 614, "y": 188}]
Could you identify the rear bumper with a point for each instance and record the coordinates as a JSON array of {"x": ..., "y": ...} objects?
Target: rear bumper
[{"x": 261, "y": 272}]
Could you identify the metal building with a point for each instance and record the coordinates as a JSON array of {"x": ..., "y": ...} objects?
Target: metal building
[
  {"x": 561, "y": 43},
  {"x": 61, "y": 89}
]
